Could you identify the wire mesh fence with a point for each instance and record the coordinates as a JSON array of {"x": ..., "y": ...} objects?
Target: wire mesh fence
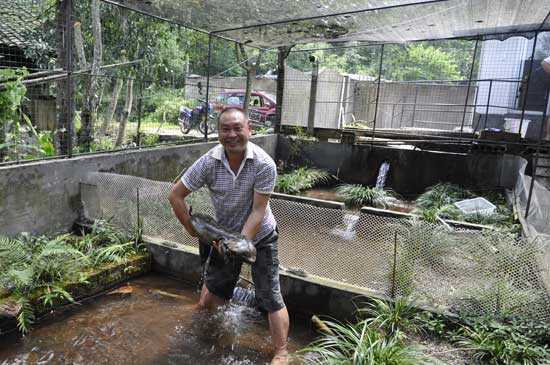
[{"x": 464, "y": 271}]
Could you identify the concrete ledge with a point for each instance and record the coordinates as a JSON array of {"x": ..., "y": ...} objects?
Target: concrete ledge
[
  {"x": 385, "y": 213},
  {"x": 310, "y": 201},
  {"x": 306, "y": 295},
  {"x": 401, "y": 215},
  {"x": 179, "y": 261}
]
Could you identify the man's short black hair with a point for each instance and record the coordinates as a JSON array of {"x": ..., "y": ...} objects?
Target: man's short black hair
[{"x": 231, "y": 109}]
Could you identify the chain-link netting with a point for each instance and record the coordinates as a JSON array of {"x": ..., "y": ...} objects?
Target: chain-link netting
[{"x": 461, "y": 270}]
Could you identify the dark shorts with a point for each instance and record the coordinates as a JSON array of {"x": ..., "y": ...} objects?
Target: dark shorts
[{"x": 221, "y": 277}]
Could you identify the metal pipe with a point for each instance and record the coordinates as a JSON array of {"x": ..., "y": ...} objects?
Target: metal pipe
[
  {"x": 207, "y": 102},
  {"x": 140, "y": 102},
  {"x": 469, "y": 85},
  {"x": 378, "y": 90},
  {"x": 533, "y": 178},
  {"x": 392, "y": 113},
  {"x": 488, "y": 103},
  {"x": 526, "y": 94},
  {"x": 414, "y": 105},
  {"x": 401, "y": 116}
]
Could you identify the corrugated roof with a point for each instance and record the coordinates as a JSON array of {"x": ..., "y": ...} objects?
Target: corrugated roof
[
  {"x": 271, "y": 23},
  {"x": 17, "y": 23}
]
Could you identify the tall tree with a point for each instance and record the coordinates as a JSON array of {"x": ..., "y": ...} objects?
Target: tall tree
[
  {"x": 250, "y": 67},
  {"x": 89, "y": 109},
  {"x": 64, "y": 36},
  {"x": 282, "y": 54}
]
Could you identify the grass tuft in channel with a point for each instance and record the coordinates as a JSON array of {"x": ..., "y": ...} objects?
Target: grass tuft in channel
[
  {"x": 301, "y": 179},
  {"x": 356, "y": 195}
]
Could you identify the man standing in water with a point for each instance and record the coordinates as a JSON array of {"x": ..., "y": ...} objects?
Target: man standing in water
[{"x": 240, "y": 177}]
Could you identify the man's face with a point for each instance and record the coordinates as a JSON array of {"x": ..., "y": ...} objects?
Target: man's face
[{"x": 234, "y": 131}]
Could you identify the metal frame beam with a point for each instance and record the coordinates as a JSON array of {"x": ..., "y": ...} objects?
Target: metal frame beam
[{"x": 351, "y": 12}]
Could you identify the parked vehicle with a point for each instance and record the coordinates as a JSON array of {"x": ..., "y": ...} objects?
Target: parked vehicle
[
  {"x": 194, "y": 118},
  {"x": 262, "y": 105}
]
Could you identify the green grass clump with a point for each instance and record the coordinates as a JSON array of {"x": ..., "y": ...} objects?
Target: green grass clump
[
  {"x": 442, "y": 194},
  {"x": 357, "y": 195},
  {"x": 36, "y": 270},
  {"x": 359, "y": 344},
  {"x": 376, "y": 338},
  {"x": 300, "y": 179},
  {"x": 392, "y": 317}
]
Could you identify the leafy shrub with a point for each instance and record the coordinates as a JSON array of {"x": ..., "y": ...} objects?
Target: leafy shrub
[
  {"x": 432, "y": 323},
  {"x": 495, "y": 342},
  {"x": 300, "y": 179},
  {"x": 359, "y": 195},
  {"x": 164, "y": 105},
  {"x": 149, "y": 139}
]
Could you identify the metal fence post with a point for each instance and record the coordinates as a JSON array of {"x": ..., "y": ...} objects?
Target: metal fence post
[
  {"x": 140, "y": 101},
  {"x": 414, "y": 106},
  {"x": 469, "y": 85},
  {"x": 529, "y": 72},
  {"x": 488, "y": 103},
  {"x": 394, "y": 266},
  {"x": 377, "y": 91},
  {"x": 69, "y": 87},
  {"x": 207, "y": 102},
  {"x": 312, "y": 95}
]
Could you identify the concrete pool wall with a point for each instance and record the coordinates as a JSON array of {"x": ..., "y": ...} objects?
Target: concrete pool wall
[
  {"x": 411, "y": 170},
  {"x": 43, "y": 197}
]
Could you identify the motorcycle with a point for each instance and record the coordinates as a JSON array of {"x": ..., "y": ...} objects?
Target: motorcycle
[{"x": 195, "y": 118}]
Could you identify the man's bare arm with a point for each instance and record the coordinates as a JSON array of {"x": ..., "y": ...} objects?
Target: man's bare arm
[
  {"x": 181, "y": 209},
  {"x": 254, "y": 220}
]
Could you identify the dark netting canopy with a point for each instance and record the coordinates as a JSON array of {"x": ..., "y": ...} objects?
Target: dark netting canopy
[{"x": 272, "y": 23}]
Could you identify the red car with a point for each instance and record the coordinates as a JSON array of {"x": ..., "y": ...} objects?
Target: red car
[{"x": 262, "y": 105}]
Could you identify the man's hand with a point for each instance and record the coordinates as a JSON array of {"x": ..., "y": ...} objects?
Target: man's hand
[{"x": 254, "y": 220}]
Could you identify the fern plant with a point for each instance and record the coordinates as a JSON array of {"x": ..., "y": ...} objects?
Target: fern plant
[{"x": 38, "y": 268}]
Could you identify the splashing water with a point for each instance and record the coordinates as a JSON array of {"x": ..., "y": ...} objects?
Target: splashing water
[
  {"x": 348, "y": 233},
  {"x": 382, "y": 175}
]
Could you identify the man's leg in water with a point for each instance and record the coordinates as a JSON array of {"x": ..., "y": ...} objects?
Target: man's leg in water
[
  {"x": 278, "y": 327},
  {"x": 220, "y": 278},
  {"x": 265, "y": 274}
]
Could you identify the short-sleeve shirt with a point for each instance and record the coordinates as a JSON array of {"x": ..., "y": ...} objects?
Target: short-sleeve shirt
[{"x": 233, "y": 194}]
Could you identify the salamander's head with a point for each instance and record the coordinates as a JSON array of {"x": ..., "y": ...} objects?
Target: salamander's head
[{"x": 242, "y": 248}]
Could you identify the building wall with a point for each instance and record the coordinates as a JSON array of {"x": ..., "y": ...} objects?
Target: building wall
[{"x": 501, "y": 60}]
